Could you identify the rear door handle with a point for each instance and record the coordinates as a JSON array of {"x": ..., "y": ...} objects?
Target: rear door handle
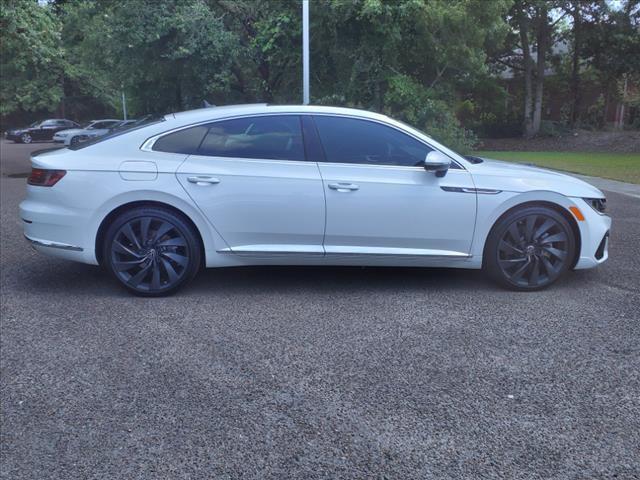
[
  {"x": 343, "y": 187},
  {"x": 203, "y": 180}
]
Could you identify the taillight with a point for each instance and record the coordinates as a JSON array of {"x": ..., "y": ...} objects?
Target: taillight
[{"x": 45, "y": 178}]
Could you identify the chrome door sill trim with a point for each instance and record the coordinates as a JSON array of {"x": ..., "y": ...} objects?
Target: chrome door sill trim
[
  {"x": 60, "y": 246},
  {"x": 399, "y": 255},
  {"x": 247, "y": 253}
]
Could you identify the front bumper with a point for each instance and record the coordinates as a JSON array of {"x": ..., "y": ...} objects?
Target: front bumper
[
  {"x": 594, "y": 236},
  {"x": 12, "y": 136}
]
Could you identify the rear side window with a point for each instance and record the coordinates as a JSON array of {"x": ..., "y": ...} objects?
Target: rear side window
[
  {"x": 183, "y": 141},
  {"x": 351, "y": 140},
  {"x": 274, "y": 137}
]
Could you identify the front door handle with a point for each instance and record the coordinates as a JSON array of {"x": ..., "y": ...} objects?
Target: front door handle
[
  {"x": 203, "y": 180},
  {"x": 343, "y": 187}
]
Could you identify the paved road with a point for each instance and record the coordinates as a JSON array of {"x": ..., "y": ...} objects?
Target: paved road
[{"x": 319, "y": 372}]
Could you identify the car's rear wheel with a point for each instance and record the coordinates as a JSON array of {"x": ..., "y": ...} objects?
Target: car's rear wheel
[
  {"x": 151, "y": 251},
  {"x": 529, "y": 248},
  {"x": 26, "y": 138}
]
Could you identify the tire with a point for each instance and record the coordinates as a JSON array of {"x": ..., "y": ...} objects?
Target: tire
[
  {"x": 26, "y": 138},
  {"x": 76, "y": 140},
  {"x": 147, "y": 264},
  {"x": 529, "y": 249}
]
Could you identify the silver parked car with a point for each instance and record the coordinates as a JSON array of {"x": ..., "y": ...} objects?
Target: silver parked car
[{"x": 95, "y": 128}]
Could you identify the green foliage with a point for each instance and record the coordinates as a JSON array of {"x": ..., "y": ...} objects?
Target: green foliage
[
  {"x": 409, "y": 101},
  {"x": 32, "y": 62},
  {"x": 167, "y": 54},
  {"x": 432, "y": 63}
]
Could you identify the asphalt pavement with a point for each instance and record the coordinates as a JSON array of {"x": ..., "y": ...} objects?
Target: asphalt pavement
[{"x": 316, "y": 372}]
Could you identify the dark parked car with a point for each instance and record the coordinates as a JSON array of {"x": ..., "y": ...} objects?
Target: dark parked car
[{"x": 42, "y": 130}]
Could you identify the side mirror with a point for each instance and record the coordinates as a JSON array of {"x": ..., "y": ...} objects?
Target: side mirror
[{"x": 437, "y": 162}]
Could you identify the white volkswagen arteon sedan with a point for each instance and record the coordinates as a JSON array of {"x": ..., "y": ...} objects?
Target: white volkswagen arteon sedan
[{"x": 303, "y": 185}]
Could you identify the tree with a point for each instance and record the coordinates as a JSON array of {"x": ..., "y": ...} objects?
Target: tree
[
  {"x": 535, "y": 27},
  {"x": 168, "y": 54},
  {"x": 32, "y": 60}
]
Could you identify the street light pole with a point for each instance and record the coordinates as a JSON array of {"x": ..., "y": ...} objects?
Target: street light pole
[
  {"x": 124, "y": 105},
  {"x": 305, "y": 52}
]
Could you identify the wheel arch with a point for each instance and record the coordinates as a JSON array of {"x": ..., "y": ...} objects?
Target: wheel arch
[
  {"x": 541, "y": 203},
  {"x": 113, "y": 214}
]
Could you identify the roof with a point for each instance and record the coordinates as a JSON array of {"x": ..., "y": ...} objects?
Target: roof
[{"x": 203, "y": 114}]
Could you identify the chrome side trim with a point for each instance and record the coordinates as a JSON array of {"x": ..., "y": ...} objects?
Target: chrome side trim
[
  {"x": 479, "y": 191},
  {"x": 351, "y": 252},
  {"x": 61, "y": 246}
]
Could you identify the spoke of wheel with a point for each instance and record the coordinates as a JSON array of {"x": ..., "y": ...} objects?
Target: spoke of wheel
[
  {"x": 548, "y": 223},
  {"x": 556, "y": 253},
  {"x": 164, "y": 228},
  {"x": 515, "y": 233},
  {"x": 518, "y": 273},
  {"x": 173, "y": 242},
  {"x": 118, "y": 247},
  {"x": 179, "y": 259},
  {"x": 155, "y": 276},
  {"x": 138, "y": 277},
  {"x": 512, "y": 262},
  {"x": 128, "y": 265},
  {"x": 507, "y": 247},
  {"x": 171, "y": 272},
  {"x": 127, "y": 231},
  {"x": 530, "y": 222},
  {"x": 557, "y": 237},
  {"x": 535, "y": 272},
  {"x": 550, "y": 268},
  {"x": 144, "y": 228}
]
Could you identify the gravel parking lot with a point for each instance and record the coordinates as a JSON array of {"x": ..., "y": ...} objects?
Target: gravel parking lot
[{"x": 317, "y": 372}]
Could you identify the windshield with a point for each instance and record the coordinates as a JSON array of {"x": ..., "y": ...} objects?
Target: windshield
[
  {"x": 34, "y": 124},
  {"x": 143, "y": 122}
]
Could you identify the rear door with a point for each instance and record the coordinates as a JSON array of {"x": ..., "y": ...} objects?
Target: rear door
[{"x": 251, "y": 179}]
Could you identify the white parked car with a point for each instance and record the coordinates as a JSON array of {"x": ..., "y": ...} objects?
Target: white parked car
[
  {"x": 303, "y": 185},
  {"x": 95, "y": 128}
]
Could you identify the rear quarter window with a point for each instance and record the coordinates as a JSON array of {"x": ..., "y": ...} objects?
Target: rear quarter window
[{"x": 183, "y": 141}]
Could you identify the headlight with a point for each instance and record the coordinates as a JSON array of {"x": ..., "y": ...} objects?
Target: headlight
[
  {"x": 61, "y": 135},
  {"x": 598, "y": 204}
]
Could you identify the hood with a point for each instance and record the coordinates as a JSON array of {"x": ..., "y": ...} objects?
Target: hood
[{"x": 517, "y": 177}]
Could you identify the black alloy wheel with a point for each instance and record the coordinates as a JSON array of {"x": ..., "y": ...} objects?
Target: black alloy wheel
[
  {"x": 530, "y": 249},
  {"x": 152, "y": 251}
]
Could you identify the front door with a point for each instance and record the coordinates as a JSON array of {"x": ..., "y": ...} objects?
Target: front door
[
  {"x": 251, "y": 179},
  {"x": 381, "y": 201}
]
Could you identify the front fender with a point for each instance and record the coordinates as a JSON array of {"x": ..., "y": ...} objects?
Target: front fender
[{"x": 492, "y": 207}]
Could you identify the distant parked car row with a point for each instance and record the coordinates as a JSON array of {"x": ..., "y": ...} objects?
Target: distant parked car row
[
  {"x": 95, "y": 128},
  {"x": 66, "y": 131}
]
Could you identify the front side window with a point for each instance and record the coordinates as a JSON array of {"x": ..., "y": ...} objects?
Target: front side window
[
  {"x": 351, "y": 140},
  {"x": 273, "y": 137},
  {"x": 48, "y": 123}
]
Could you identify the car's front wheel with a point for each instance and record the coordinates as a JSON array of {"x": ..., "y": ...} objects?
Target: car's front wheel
[
  {"x": 151, "y": 251},
  {"x": 529, "y": 248},
  {"x": 26, "y": 138},
  {"x": 76, "y": 140}
]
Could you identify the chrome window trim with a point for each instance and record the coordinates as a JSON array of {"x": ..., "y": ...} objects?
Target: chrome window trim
[{"x": 147, "y": 145}]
